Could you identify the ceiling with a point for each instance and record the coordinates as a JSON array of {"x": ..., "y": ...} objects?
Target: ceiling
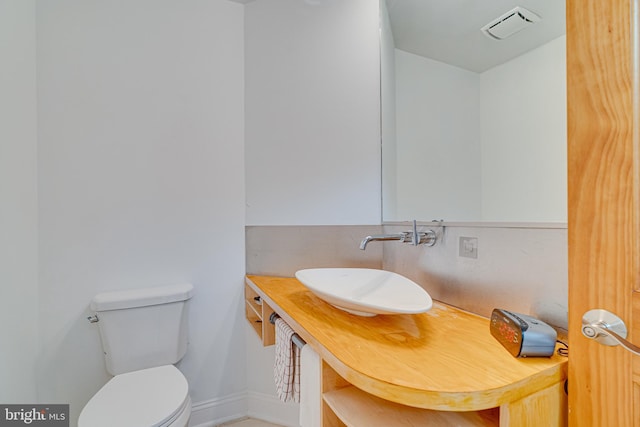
[{"x": 449, "y": 30}]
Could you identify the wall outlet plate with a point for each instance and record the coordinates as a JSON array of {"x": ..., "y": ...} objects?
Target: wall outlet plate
[{"x": 468, "y": 247}]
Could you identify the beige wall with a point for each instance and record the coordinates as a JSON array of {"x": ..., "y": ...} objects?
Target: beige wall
[{"x": 523, "y": 269}]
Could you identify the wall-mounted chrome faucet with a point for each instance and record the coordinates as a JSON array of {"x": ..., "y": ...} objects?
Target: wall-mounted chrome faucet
[{"x": 414, "y": 237}]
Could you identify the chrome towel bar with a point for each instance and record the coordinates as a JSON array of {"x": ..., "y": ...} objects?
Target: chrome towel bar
[{"x": 299, "y": 342}]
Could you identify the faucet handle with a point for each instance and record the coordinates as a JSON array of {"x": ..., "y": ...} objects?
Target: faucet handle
[{"x": 427, "y": 238}]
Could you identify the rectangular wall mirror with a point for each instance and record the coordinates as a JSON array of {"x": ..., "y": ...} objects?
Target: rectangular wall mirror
[{"x": 473, "y": 123}]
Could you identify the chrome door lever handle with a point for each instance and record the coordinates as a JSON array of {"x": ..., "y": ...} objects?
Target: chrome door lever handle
[{"x": 607, "y": 329}]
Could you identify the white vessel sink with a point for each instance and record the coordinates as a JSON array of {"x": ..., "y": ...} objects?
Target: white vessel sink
[{"x": 366, "y": 291}]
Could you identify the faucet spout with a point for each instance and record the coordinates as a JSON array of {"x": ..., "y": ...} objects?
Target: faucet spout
[{"x": 383, "y": 237}]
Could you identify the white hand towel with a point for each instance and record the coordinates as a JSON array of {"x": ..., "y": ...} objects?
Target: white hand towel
[
  {"x": 310, "y": 398},
  {"x": 286, "y": 370}
]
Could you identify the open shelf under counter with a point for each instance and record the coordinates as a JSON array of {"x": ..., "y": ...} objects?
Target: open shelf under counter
[
  {"x": 355, "y": 408},
  {"x": 257, "y": 313},
  {"x": 428, "y": 365}
]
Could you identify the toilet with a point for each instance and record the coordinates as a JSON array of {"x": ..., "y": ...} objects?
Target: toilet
[{"x": 144, "y": 332}]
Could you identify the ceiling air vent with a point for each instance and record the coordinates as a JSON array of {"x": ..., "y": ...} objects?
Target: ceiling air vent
[{"x": 510, "y": 23}]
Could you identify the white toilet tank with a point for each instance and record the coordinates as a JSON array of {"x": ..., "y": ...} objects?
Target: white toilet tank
[{"x": 143, "y": 328}]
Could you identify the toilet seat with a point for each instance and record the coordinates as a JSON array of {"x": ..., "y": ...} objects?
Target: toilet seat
[{"x": 154, "y": 397}]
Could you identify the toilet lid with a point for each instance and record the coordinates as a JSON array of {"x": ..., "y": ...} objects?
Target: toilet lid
[{"x": 145, "y": 398}]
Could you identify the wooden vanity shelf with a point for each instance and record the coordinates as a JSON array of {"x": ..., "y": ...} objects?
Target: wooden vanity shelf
[
  {"x": 355, "y": 407},
  {"x": 440, "y": 368},
  {"x": 257, "y": 312},
  {"x": 346, "y": 405}
]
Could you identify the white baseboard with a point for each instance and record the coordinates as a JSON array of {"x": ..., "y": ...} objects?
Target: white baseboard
[
  {"x": 262, "y": 406},
  {"x": 212, "y": 412},
  {"x": 269, "y": 408}
]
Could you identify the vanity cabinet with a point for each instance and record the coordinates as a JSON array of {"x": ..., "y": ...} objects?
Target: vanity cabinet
[{"x": 439, "y": 368}]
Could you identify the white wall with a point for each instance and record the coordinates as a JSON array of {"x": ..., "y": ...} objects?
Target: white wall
[
  {"x": 312, "y": 134},
  {"x": 141, "y": 182},
  {"x": 438, "y": 125},
  {"x": 471, "y": 131},
  {"x": 523, "y": 111},
  {"x": 18, "y": 202},
  {"x": 388, "y": 111},
  {"x": 518, "y": 130},
  {"x": 312, "y": 112}
]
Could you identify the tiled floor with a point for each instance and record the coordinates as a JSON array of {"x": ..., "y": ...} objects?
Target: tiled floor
[{"x": 249, "y": 422}]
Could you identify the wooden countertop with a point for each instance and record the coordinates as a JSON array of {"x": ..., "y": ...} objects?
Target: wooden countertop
[{"x": 445, "y": 359}]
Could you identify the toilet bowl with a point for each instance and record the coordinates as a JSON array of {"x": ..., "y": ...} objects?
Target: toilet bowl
[
  {"x": 154, "y": 397},
  {"x": 143, "y": 333}
]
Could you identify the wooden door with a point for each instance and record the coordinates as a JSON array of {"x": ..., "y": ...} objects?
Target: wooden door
[{"x": 603, "y": 208}]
